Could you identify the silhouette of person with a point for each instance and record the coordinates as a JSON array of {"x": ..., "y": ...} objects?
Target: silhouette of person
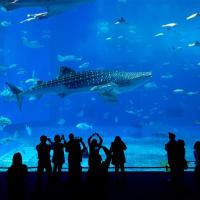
[
  {"x": 181, "y": 161},
  {"x": 16, "y": 175},
  {"x": 44, "y": 161},
  {"x": 98, "y": 182},
  {"x": 171, "y": 148},
  {"x": 81, "y": 149},
  {"x": 94, "y": 155},
  {"x": 58, "y": 154},
  {"x": 197, "y": 162},
  {"x": 75, "y": 148},
  {"x": 105, "y": 164},
  {"x": 117, "y": 149}
]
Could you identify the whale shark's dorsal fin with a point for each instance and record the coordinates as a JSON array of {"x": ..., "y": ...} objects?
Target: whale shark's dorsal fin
[{"x": 66, "y": 70}]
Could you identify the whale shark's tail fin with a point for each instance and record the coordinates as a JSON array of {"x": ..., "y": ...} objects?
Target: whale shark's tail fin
[{"x": 17, "y": 92}]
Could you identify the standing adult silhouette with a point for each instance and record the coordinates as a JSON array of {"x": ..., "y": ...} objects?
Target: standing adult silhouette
[
  {"x": 94, "y": 154},
  {"x": 117, "y": 149},
  {"x": 197, "y": 163},
  {"x": 171, "y": 148},
  {"x": 181, "y": 161},
  {"x": 44, "y": 161},
  {"x": 58, "y": 154},
  {"x": 75, "y": 148}
]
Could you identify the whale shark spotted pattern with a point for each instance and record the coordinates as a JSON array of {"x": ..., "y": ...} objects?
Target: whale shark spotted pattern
[{"x": 105, "y": 82}]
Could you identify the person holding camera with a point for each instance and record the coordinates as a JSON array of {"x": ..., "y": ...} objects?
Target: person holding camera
[
  {"x": 75, "y": 148},
  {"x": 58, "y": 154},
  {"x": 94, "y": 155},
  {"x": 44, "y": 161}
]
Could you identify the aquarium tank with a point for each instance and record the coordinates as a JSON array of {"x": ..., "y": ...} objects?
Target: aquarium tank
[{"x": 116, "y": 67}]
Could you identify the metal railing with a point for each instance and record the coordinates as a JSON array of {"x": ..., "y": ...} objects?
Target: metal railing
[{"x": 132, "y": 168}]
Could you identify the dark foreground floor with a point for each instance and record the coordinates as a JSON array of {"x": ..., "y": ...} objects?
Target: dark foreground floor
[{"x": 137, "y": 185}]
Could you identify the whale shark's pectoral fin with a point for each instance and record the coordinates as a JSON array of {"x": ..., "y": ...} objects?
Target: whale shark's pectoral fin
[{"x": 109, "y": 91}]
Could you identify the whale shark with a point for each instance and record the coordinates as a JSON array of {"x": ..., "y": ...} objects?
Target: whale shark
[
  {"x": 108, "y": 83},
  {"x": 53, "y": 7}
]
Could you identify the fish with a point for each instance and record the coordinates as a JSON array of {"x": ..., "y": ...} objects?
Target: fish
[
  {"x": 31, "y": 43},
  {"x": 169, "y": 26},
  {"x": 61, "y": 58},
  {"x": 4, "y": 121},
  {"x": 83, "y": 126},
  {"x": 130, "y": 112},
  {"x": 179, "y": 90},
  {"x": 6, "y": 94},
  {"x": 8, "y": 67},
  {"x": 192, "y": 93},
  {"x": 9, "y": 139},
  {"x": 21, "y": 72},
  {"x": 167, "y": 76},
  {"x": 150, "y": 85},
  {"x": 61, "y": 121},
  {"x": 107, "y": 83},
  {"x": 12, "y": 66},
  {"x": 194, "y": 15},
  {"x": 84, "y": 65},
  {"x": 194, "y": 44},
  {"x": 108, "y": 38},
  {"x": 28, "y": 130},
  {"x": 53, "y": 7},
  {"x": 5, "y": 23},
  {"x": 31, "y": 81},
  {"x": 158, "y": 34},
  {"x": 21, "y": 127},
  {"x": 120, "y": 20}
]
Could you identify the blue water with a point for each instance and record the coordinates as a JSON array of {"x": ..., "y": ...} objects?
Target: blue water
[{"x": 143, "y": 116}]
